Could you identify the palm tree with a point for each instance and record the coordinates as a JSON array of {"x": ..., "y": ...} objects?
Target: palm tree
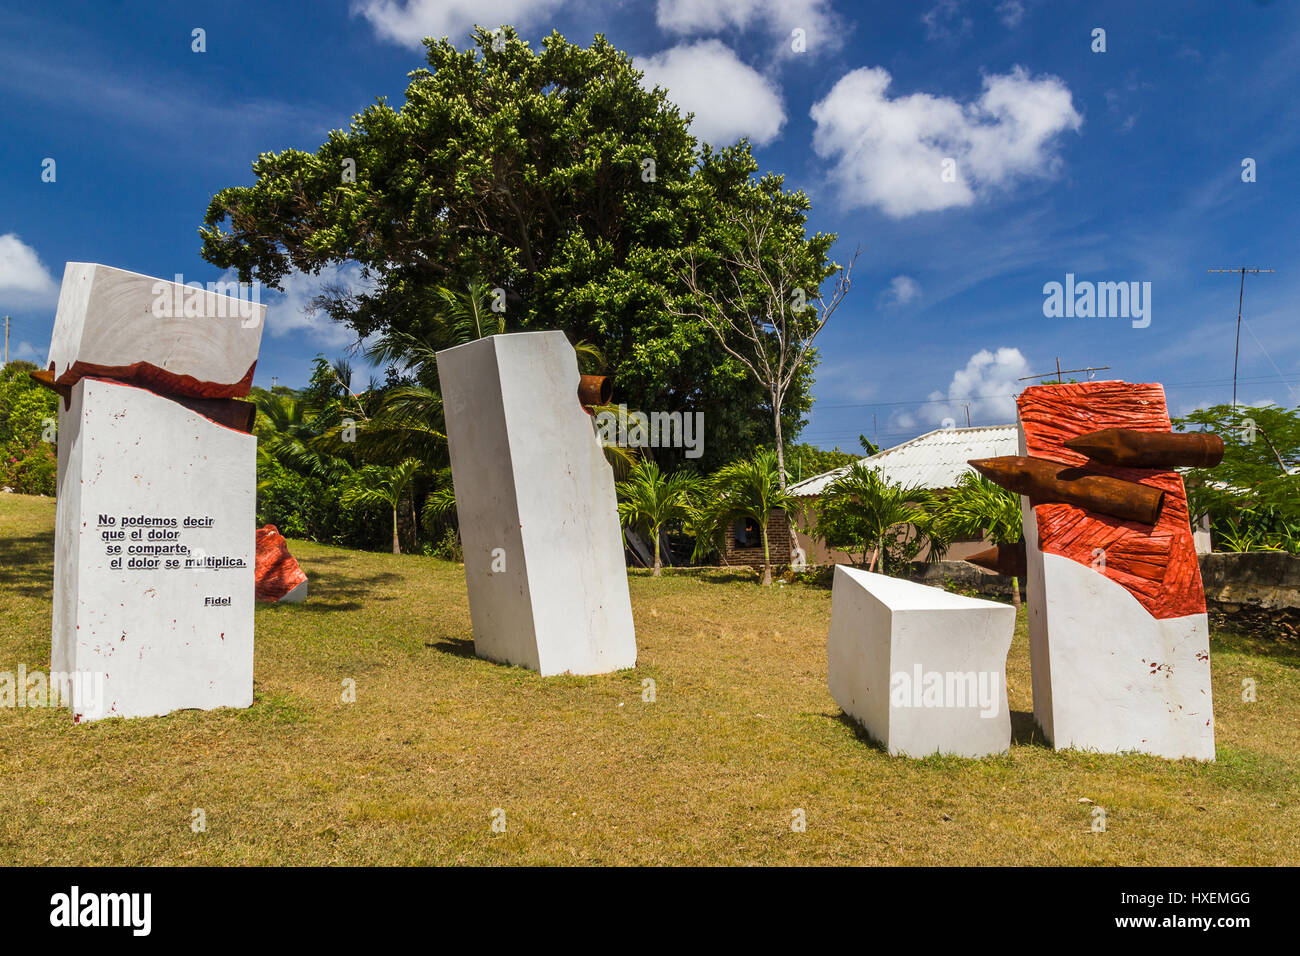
[
  {"x": 977, "y": 507},
  {"x": 861, "y": 510},
  {"x": 384, "y": 486},
  {"x": 287, "y": 431},
  {"x": 651, "y": 500},
  {"x": 751, "y": 488}
]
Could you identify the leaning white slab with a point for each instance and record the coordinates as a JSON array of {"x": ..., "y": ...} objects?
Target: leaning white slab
[
  {"x": 1107, "y": 675},
  {"x": 124, "y": 325},
  {"x": 921, "y": 669},
  {"x": 153, "y": 564},
  {"x": 538, "y": 514}
]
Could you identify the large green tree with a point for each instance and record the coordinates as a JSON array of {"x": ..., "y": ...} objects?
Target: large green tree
[
  {"x": 1253, "y": 495},
  {"x": 551, "y": 175}
]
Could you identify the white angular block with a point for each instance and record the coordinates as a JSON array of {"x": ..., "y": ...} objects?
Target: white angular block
[
  {"x": 538, "y": 513},
  {"x": 1107, "y": 675},
  {"x": 173, "y": 338},
  {"x": 143, "y": 479},
  {"x": 923, "y": 670}
]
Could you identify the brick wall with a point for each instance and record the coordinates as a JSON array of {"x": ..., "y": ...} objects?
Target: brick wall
[{"x": 778, "y": 539}]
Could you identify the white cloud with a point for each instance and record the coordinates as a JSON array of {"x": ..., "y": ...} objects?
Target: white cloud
[
  {"x": 988, "y": 383},
  {"x": 901, "y": 291},
  {"x": 822, "y": 28},
  {"x": 26, "y": 352},
  {"x": 24, "y": 280},
  {"x": 945, "y": 21},
  {"x": 408, "y": 22},
  {"x": 1011, "y": 12},
  {"x": 729, "y": 98},
  {"x": 921, "y": 153},
  {"x": 289, "y": 312}
]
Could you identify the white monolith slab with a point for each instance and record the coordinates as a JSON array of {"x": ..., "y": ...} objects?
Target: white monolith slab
[
  {"x": 179, "y": 339},
  {"x": 1107, "y": 675},
  {"x": 923, "y": 670},
  {"x": 153, "y": 564},
  {"x": 537, "y": 510}
]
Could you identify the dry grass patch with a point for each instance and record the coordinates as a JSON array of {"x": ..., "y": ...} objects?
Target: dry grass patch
[{"x": 743, "y": 731}]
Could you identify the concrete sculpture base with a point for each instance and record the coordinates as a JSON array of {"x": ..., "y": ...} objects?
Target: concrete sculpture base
[
  {"x": 1107, "y": 675},
  {"x": 153, "y": 563},
  {"x": 537, "y": 509},
  {"x": 1118, "y": 636},
  {"x": 921, "y": 669}
]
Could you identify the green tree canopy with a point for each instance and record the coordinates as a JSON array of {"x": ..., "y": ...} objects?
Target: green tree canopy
[
  {"x": 549, "y": 174},
  {"x": 1253, "y": 495}
]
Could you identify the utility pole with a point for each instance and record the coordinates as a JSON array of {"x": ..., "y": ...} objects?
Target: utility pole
[
  {"x": 967, "y": 406},
  {"x": 1241, "y": 295},
  {"x": 6, "y": 340}
]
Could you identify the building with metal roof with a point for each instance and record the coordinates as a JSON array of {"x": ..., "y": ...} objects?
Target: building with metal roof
[{"x": 934, "y": 461}]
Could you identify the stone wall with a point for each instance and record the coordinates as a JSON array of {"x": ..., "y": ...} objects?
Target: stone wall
[
  {"x": 963, "y": 576},
  {"x": 1257, "y": 591}
]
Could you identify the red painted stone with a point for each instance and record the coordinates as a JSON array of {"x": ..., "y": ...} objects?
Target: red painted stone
[
  {"x": 1157, "y": 565},
  {"x": 276, "y": 572}
]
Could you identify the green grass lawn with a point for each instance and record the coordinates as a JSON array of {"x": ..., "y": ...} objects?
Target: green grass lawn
[{"x": 742, "y": 733}]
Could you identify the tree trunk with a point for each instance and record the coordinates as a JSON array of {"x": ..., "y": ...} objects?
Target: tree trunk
[
  {"x": 780, "y": 443},
  {"x": 1015, "y": 592},
  {"x": 415, "y": 524},
  {"x": 658, "y": 563},
  {"x": 397, "y": 548},
  {"x": 767, "y": 558}
]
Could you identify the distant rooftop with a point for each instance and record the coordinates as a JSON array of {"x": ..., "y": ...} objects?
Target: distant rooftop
[{"x": 934, "y": 460}]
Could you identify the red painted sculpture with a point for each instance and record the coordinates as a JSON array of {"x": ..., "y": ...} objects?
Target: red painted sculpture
[
  {"x": 277, "y": 575},
  {"x": 1157, "y": 563}
]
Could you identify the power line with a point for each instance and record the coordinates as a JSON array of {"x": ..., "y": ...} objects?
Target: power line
[
  {"x": 1280, "y": 376},
  {"x": 950, "y": 401}
]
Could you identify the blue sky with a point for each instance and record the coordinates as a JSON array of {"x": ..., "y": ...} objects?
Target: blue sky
[{"x": 1115, "y": 166}]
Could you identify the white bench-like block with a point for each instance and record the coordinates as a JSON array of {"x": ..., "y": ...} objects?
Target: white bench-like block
[
  {"x": 538, "y": 514},
  {"x": 168, "y": 637},
  {"x": 174, "y": 338},
  {"x": 923, "y": 670}
]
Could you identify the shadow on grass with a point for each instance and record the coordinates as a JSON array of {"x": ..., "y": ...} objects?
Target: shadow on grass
[
  {"x": 455, "y": 646},
  {"x": 1279, "y": 650},
  {"x": 28, "y": 564},
  {"x": 335, "y": 590},
  {"x": 857, "y": 729},
  {"x": 722, "y": 576},
  {"x": 1025, "y": 731}
]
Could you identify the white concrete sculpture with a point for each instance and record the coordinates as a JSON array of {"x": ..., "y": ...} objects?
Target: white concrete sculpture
[
  {"x": 538, "y": 514},
  {"x": 921, "y": 669},
  {"x": 154, "y": 530},
  {"x": 1107, "y": 675},
  {"x": 175, "y": 338},
  {"x": 1118, "y": 635}
]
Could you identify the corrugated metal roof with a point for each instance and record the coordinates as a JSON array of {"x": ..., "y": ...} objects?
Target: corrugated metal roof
[{"x": 934, "y": 460}]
